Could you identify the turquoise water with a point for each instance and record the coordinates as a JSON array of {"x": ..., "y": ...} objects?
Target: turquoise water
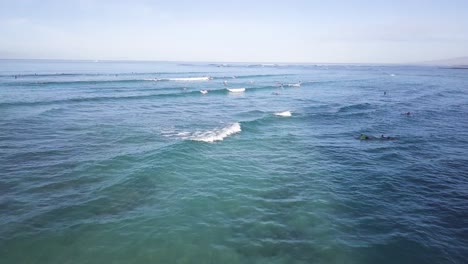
[{"x": 124, "y": 162}]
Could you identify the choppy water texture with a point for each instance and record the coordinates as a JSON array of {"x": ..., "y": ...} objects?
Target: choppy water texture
[{"x": 127, "y": 162}]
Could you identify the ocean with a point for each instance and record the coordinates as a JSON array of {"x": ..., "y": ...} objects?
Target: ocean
[{"x": 128, "y": 162}]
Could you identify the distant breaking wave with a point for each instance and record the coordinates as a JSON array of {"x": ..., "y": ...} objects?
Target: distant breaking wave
[
  {"x": 77, "y": 74},
  {"x": 217, "y": 134},
  {"x": 111, "y": 80},
  {"x": 285, "y": 113},
  {"x": 126, "y": 97},
  {"x": 187, "y": 79},
  {"x": 65, "y": 82}
]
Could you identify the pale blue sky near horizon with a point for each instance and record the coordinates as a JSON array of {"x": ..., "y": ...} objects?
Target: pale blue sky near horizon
[{"x": 236, "y": 31}]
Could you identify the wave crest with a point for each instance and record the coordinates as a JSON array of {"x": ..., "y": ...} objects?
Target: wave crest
[
  {"x": 216, "y": 134},
  {"x": 285, "y": 113},
  {"x": 189, "y": 79},
  {"x": 236, "y": 90}
]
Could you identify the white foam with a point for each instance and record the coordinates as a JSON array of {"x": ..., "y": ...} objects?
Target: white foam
[
  {"x": 203, "y": 91},
  {"x": 294, "y": 84},
  {"x": 190, "y": 79},
  {"x": 217, "y": 134},
  {"x": 183, "y": 134},
  {"x": 169, "y": 132},
  {"x": 236, "y": 90},
  {"x": 285, "y": 113}
]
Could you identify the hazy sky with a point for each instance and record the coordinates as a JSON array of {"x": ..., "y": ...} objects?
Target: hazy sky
[{"x": 237, "y": 30}]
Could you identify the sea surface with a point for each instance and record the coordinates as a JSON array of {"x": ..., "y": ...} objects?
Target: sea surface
[{"x": 128, "y": 162}]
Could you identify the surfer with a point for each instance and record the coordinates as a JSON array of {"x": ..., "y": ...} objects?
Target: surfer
[
  {"x": 382, "y": 137},
  {"x": 387, "y": 138}
]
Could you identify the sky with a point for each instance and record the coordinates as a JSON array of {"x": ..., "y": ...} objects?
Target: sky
[{"x": 298, "y": 31}]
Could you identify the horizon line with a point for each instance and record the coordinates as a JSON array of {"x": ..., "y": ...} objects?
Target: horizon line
[
  {"x": 198, "y": 61},
  {"x": 427, "y": 62}
]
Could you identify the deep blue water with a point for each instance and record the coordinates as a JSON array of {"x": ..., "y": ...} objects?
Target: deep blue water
[{"x": 124, "y": 162}]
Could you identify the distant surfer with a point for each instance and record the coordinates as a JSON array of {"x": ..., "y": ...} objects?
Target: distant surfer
[
  {"x": 387, "y": 138},
  {"x": 385, "y": 93},
  {"x": 225, "y": 83},
  {"x": 407, "y": 114},
  {"x": 382, "y": 137}
]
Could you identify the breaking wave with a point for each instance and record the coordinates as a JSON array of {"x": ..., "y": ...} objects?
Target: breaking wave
[
  {"x": 217, "y": 134},
  {"x": 187, "y": 79},
  {"x": 285, "y": 113}
]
